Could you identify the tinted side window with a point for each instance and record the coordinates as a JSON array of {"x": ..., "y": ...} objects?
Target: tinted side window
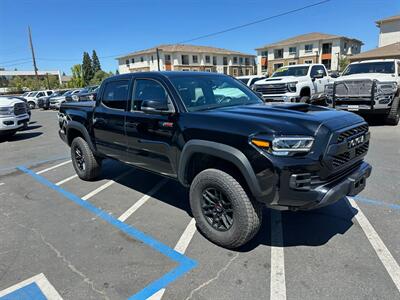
[
  {"x": 115, "y": 94},
  {"x": 317, "y": 70},
  {"x": 146, "y": 89},
  {"x": 41, "y": 94}
]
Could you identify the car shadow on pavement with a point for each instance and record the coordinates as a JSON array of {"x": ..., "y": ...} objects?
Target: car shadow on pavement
[
  {"x": 31, "y": 127},
  {"x": 301, "y": 228},
  {"x": 306, "y": 228},
  {"x": 20, "y": 136}
]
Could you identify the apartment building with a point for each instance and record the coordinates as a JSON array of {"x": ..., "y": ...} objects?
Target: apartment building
[
  {"x": 188, "y": 58},
  {"x": 306, "y": 49},
  {"x": 389, "y": 30}
]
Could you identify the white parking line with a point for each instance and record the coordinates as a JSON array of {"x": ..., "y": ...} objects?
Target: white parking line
[
  {"x": 104, "y": 186},
  {"x": 278, "y": 283},
  {"x": 180, "y": 247},
  {"x": 66, "y": 179},
  {"x": 45, "y": 286},
  {"x": 142, "y": 200},
  {"x": 54, "y": 167},
  {"x": 381, "y": 250}
]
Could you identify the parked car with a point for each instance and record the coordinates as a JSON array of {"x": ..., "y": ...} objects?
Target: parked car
[
  {"x": 44, "y": 102},
  {"x": 13, "y": 115},
  {"x": 56, "y": 101},
  {"x": 68, "y": 97},
  {"x": 34, "y": 96},
  {"x": 295, "y": 83},
  {"x": 234, "y": 152},
  {"x": 85, "y": 94},
  {"x": 250, "y": 79},
  {"x": 368, "y": 87}
]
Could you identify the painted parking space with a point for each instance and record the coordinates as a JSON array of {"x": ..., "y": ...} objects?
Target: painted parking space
[{"x": 324, "y": 253}]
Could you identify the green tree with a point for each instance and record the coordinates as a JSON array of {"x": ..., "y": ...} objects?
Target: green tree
[
  {"x": 343, "y": 62},
  {"x": 99, "y": 76},
  {"x": 77, "y": 77},
  {"x": 87, "y": 71},
  {"x": 95, "y": 62}
]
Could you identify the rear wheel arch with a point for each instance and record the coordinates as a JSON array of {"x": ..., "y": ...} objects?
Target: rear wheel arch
[{"x": 74, "y": 130}]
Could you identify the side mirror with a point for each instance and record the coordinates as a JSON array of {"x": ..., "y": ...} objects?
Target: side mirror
[{"x": 155, "y": 107}]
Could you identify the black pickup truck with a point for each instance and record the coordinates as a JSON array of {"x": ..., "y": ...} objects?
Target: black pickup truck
[{"x": 215, "y": 135}]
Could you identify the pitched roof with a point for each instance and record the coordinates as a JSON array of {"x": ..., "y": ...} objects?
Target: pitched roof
[
  {"x": 308, "y": 37},
  {"x": 388, "y": 51},
  {"x": 186, "y": 48},
  {"x": 392, "y": 18}
]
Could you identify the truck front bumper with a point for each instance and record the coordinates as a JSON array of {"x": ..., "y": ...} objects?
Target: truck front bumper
[
  {"x": 13, "y": 122},
  {"x": 316, "y": 195},
  {"x": 287, "y": 97}
]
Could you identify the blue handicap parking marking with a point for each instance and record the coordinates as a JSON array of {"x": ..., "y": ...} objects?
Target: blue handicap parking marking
[
  {"x": 28, "y": 292},
  {"x": 185, "y": 264}
]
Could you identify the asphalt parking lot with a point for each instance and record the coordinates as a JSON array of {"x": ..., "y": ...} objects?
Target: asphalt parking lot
[{"x": 131, "y": 233}]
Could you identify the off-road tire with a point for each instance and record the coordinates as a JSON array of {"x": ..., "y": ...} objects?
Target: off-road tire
[
  {"x": 92, "y": 167},
  {"x": 394, "y": 114},
  {"x": 247, "y": 213},
  {"x": 304, "y": 99}
]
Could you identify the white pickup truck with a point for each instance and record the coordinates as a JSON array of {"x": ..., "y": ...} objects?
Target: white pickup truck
[
  {"x": 34, "y": 96},
  {"x": 13, "y": 116},
  {"x": 295, "y": 83},
  {"x": 368, "y": 87}
]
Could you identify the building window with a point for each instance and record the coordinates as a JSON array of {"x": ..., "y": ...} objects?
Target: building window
[
  {"x": 225, "y": 61},
  {"x": 247, "y": 61},
  {"x": 235, "y": 60},
  {"x": 241, "y": 60},
  {"x": 345, "y": 46},
  {"x": 195, "y": 59},
  {"x": 127, "y": 62},
  {"x": 264, "y": 53},
  {"x": 308, "y": 61},
  {"x": 152, "y": 59},
  {"x": 308, "y": 48},
  {"x": 235, "y": 72},
  {"x": 214, "y": 60},
  {"x": 291, "y": 63},
  {"x": 327, "y": 63},
  {"x": 226, "y": 70},
  {"x": 132, "y": 60},
  {"x": 292, "y": 50},
  {"x": 185, "y": 60},
  {"x": 277, "y": 66},
  {"x": 208, "y": 59},
  {"x": 207, "y": 69},
  {"x": 278, "y": 53},
  {"x": 142, "y": 59},
  {"x": 167, "y": 58},
  {"x": 264, "y": 68},
  {"x": 327, "y": 48}
]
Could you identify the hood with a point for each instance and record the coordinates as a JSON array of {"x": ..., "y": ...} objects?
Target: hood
[
  {"x": 371, "y": 76},
  {"x": 295, "y": 118},
  {"x": 7, "y": 102},
  {"x": 283, "y": 79}
]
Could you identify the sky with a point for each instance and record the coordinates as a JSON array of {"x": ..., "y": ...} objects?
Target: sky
[{"x": 63, "y": 29}]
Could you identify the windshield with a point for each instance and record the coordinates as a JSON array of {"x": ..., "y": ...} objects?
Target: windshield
[
  {"x": 212, "y": 91},
  {"x": 291, "y": 71},
  {"x": 385, "y": 67}
]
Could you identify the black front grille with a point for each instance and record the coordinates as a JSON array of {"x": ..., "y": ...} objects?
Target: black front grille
[
  {"x": 20, "y": 109},
  {"x": 352, "y": 132},
  {"x": 273, "y": 89},
  {"x": 341, "y": 159}
]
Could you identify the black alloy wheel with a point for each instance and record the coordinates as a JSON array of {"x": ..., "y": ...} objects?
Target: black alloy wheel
[
  {"x": 217, "y": 209},
  {"x": 80, "y": 160}
]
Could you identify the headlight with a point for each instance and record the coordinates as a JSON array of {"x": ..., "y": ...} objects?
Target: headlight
[
  {"x": 284, "y": 145},
  {"x": 6, "y": 111},
  {"x": 292, "y": 86},
  {"x": 386, "y": 87}
]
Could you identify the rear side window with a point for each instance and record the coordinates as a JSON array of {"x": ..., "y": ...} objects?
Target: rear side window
[
  {"x": 115, "y": 94},
  {"x": 147, "y": 89}
]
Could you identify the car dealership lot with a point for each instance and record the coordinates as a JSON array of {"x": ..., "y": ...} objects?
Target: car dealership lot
[{"x": 75, "y": 234}]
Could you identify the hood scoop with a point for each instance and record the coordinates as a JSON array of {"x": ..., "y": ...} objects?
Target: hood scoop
[{"x": 300, "y": 107}]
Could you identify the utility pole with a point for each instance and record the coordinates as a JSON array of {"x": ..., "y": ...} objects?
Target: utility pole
[
  {"x": 48, "y": 82},
  {"x": 158, "y": 59},
  {"x": 33, "y": 54}
]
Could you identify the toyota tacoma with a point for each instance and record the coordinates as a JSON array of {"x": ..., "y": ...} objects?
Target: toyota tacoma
[{"x": 217, "y": 137}]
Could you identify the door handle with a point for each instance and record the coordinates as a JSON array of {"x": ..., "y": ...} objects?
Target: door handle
[{"x": 99, "y": 121}]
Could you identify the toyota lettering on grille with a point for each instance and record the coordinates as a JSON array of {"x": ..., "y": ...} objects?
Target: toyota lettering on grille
[{"x": 356, "y": 141}]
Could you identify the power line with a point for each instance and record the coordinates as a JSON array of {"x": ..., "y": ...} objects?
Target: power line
[
  {"x": 254, "y": 22},
  {"x": 17, "y": 64},
  {"x": 14, "y": 60}
]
